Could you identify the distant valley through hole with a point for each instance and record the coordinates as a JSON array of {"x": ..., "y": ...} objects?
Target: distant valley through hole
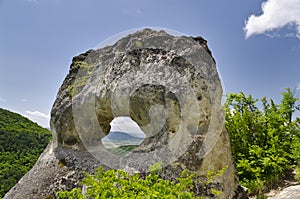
[{"x": 125, "y": 135}]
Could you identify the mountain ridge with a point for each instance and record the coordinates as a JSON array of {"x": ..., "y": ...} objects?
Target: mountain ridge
[
  {"x": 119, "y": 135},
  {"x": 10, "y": 120}
]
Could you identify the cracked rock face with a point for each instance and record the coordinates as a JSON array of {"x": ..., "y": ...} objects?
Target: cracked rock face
[{"x": 168, "y": 85}]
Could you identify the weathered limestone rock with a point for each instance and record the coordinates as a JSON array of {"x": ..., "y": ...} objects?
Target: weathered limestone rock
[
  {"x": 54, "y": 172},
  {"x": 168, "y": 85},
  {"x": 292, "y": 192}
]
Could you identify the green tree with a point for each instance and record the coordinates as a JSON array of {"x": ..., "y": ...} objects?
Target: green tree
[
  {"x": 21, "y": 143},
  {"x": 288, "y": 105},
  {"x": 264, "y": 142}
]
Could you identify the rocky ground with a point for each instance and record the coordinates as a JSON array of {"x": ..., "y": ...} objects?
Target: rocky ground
[
  {"x": 292, "y": 192},
  {"x": 287, "y": 188}
]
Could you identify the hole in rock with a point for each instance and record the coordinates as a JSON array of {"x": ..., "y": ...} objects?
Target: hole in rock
[{"x": 125, "y": 135}]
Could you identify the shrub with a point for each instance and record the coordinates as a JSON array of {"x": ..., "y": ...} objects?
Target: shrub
[
  {"x": 119, "y": 184},
  {"x": 265, "y": 143}
]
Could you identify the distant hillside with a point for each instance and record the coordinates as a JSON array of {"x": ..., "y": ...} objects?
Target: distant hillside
[
  {"x": 21, "y": 143},
  {"x": 118, "y": 135},
  {"x": 121, "y": 143}
]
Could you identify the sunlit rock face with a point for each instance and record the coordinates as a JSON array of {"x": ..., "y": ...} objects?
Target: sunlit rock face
[{"x": 168, "y": 85}]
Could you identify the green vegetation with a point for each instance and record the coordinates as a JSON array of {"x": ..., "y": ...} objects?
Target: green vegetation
[
  {"x": 119, "y": 184},
  {"x": 84, "y": 73},
  {"x": 123, "y": 150},
  {"x": 21, "y": 143},
  {"x": 138, "y": 43},
  {"x": 265, "y": 143}
]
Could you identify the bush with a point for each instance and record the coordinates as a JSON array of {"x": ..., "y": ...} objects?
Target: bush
[
  {"x": 265, "y": 143},
  {"x": 119, "y": 184}
]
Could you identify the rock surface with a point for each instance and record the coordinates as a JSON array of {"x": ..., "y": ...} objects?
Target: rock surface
[
  {"x": 168, "y": 85},
  {"x": 292, "y": 192},
  {"x": 53, "y": 172}
]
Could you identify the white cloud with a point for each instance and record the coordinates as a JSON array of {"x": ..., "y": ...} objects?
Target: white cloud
[
  {"x": 37, "y": 114},
  {"x": 298, "y": 86},
  {"x": 276, "y": 14},
  {"x": 39, "y": 117},
  {"x": 2, "y": 100},
  {"x": 126, "y": 124}
]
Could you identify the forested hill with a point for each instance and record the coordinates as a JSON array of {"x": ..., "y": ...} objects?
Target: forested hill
[{"x": 21, "y": 143}]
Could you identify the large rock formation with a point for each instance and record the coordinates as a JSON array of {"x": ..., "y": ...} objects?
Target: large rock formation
[{"x": 168, "y": 85}]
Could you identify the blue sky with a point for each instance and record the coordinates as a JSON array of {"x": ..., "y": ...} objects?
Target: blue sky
[{"x": 256, "y": 43}]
